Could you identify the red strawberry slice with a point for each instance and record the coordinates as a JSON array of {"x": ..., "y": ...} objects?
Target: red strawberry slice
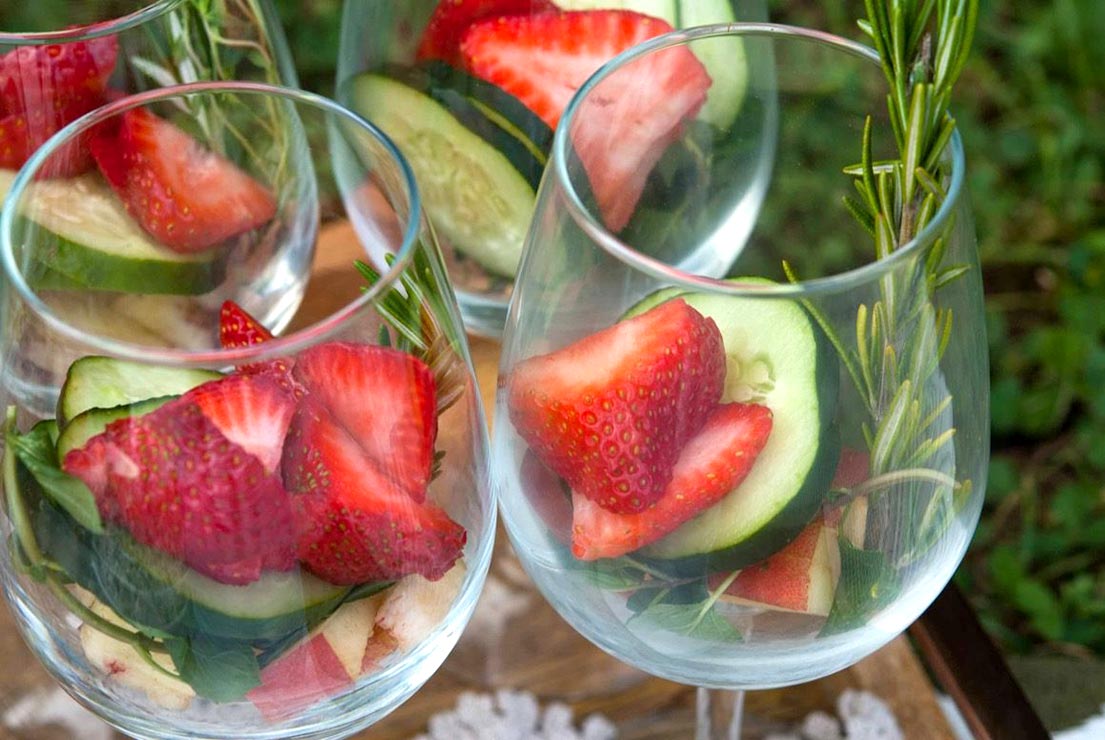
[
  {"x": 610, "y": 413},
  {"x": 238, "y": 329},
  {"x": 713, "y": 463},
  {"x": 185, "y": 196},
  {"x": 56, "y": 76},
  {"x": 451, "y": 18},
  {"x": 355, "y": 523},
  {"x": 384, "y": 398},
  {"x": 252, "y": 411},
  {"x": 177, "y": 484},
  {"x": 627, "y": 121},
  {"x": 21, "y": 134}
]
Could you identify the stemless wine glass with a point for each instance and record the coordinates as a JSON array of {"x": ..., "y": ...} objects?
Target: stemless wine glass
[
  {"x": 62, "y": 58},
  {"x": 755, "y": 481},
  {"x": 214, "y": 531},
  {"x": 471, "y": 93}
]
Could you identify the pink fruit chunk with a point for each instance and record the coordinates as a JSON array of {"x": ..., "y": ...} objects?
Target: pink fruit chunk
[
  {"x": 611, "y": 412},
  {"x": 801, "y": 577},
  {"x": 713, "y": 463}
]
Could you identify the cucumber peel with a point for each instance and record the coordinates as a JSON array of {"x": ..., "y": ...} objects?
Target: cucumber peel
[{"x": 78, "y": 232}]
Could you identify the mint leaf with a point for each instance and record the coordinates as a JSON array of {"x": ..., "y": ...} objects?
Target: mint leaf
[
  {"x": 611, "y": 575},
  {"x": 700, "y": 620},
  {"x": 37, "y": 453},
  {"x": 219, "y": 670},
  {"x": 867, "y": 584}
]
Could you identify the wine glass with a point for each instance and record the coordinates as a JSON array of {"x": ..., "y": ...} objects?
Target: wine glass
[
  {"x": 755, "y": 481},
  {"x": 217, "y": 529},
  {"x": 472, "y": 91},
  {"x": 62, "y": 58}
]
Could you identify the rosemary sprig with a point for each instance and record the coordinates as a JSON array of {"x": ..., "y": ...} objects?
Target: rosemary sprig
[
  {"x": 923, "y": 46},
  {"x": 205, "y": 40},
  {"x": 412, "y": 309}
]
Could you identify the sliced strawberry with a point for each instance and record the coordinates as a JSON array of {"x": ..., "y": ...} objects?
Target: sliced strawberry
[
  {"x": 624, "y": 125},
  {"x": 543, "y": 59},
  {"x": 252, "y": 411},
  {"x": 713, "y": 463},
  {"x": 177, "y": 484},
  {"x": 22, "y": 133},
  {"x": 185, "y": 196},
  {"x": 451, "y": 18},
  {"x": 611, "y": 412},
  {"x": 550, "y": 498},
  {"x": 238, "y": 329},
  {"x": 384, "y": 398},
  {"x": 355, "y": 523},
  {"x": 57, "y": 76}
]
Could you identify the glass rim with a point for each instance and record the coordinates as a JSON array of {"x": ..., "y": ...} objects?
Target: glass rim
[
  {"x": 837, "y": 282},
  {"x": 283, "y": 344},
  {"x": 147, "y": 12}
]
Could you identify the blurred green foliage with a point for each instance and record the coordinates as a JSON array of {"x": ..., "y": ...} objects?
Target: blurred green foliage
[{"x": 1031, "y": 108}]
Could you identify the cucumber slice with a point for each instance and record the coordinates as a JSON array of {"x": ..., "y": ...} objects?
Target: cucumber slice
[
  {"x": 779, "y": 357},
  {"x": 148, "y": 588},
  {"x": 503, "y": 109},
  {"x": 87, "y": 424},
  {"x": 474, "y": 195},
  {"x": 724, "y": 59},
  {"x": 87, "y": 236},
  {"x": 96, "y": 382}
]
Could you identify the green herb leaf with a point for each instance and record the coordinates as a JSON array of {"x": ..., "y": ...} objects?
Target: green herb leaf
[
  {"x": 700, "y": 620},
  {"x": 219, "y": 670},
  {"x": 868, "y": 582},
  {"x": 36, "y": 452}
]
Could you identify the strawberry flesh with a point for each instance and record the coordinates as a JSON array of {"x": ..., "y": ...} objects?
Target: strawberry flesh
[
  {"x": 626, "y": 122},
  {"x": 252, "y": 411},
  {"x": 611, "y": 412},
  {"x": 238, "y": 329},
  {"x": 185, "y": 196},
  {"x": 357, "y": 524},
  {"x": 384, "y": 398},
  {"x": 451, "y": 18},
  {"x": 177, "y": 484},
  {"x": 712, "y": 464},
  {"x": 57, "y": 75},
  {"x": 43, "y": 88}
]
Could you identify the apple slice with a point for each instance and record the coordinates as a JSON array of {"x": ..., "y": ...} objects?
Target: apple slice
[
  {"x": 800, "y": 578},
  {"x": 123, "y": 664},
  {"x": 415, "y": 606},
  {"x": 324, "y": 663}
]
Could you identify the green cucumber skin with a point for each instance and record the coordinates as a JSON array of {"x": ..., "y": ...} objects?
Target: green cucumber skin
[
  {"x": 95, "y": 381},
  {"x": 513, "y": 110},
  {"x": 112, "y": 568},
  {"x": 781, "y": 528},
  {"x": 108, "y": 272},
  {"x": 451, "y": 91},
  {"x": 87, "y": 424}
]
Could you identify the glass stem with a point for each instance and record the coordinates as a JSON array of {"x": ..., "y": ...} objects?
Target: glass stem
[{"x": 718, "y": 714}]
